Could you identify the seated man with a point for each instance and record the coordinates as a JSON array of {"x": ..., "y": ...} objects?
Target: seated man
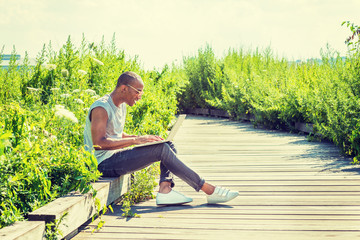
[{"x": 104, "y": 132}]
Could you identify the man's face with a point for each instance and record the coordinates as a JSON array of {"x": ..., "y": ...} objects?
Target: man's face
[{"x": 134, "y": 92}]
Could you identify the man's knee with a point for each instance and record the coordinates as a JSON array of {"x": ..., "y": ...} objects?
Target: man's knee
[{"x": 172, "y": 146}]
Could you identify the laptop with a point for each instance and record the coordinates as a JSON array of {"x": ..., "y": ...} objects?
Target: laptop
[{"x": 170, "y": 136}]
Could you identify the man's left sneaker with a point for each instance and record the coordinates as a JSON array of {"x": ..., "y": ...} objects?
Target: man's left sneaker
[{"x": 221, "y": 195}]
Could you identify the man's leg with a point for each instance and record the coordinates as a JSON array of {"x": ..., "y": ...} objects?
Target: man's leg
[
  {"x": 138, "y": 158},
  {"x": 129, "y": 161}
]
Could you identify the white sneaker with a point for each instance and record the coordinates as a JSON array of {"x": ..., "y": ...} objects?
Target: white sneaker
[
  {"x": 172, "y": 198},
  {"x": 221, "y": 195}
]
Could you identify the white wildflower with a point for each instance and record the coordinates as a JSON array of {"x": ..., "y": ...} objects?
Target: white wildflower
[
  {"x": 60, "y": 111},
  {"x": 65, "y": 72},
  {"x": 79, "y": 101},
  {"x": 33, "y": 89},
  {"x": 76, "y": 91},
  {"x": 50, "y": 67},
  {"x": 98, "y": 61},
  {"x": 65, "y": 95},
  {"x": 90, "y": 91},
  {"x": 53, "y": 138},
  {"x": 82, "y": 72},
  {"x": 59, "y": 107},
  {"x": 6, "y": 143},
  {"x": 55, "y": 89},
  {"x": 95, "y": 97},
  {"x": 46, "y": 133}
]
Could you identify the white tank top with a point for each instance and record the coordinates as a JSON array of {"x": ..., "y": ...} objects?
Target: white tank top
[{"x": 114, "y": 126}]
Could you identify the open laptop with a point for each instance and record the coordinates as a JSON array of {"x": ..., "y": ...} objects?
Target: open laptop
[{"x": 170, "y": 136}]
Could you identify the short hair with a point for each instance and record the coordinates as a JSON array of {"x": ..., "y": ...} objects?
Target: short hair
[{"x": 127, "y": 78}]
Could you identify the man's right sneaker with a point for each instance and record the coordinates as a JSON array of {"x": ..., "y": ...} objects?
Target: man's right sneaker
[
  {"x": 221, "y": 195},
  {"x": 172, "y": 198}
]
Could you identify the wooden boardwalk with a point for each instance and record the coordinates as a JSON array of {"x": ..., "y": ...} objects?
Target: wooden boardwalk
[{"x": 289, "y": 189}]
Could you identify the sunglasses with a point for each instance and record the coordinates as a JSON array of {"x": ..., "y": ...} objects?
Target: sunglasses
[{"x": 138, "y": 91}]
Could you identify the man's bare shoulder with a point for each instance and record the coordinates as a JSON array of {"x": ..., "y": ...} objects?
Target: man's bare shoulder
[{"x": 98, "y": 113}]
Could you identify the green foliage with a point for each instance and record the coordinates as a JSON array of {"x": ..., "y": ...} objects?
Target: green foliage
[
  {"x": 141, "y": 189},
  {"x": 42, "y": 116},
  {"x": 52, "y": 229},
  {"x": 39, "y": 164},
  {"x": 279, "y": 93},
  {"x": 205, "y": 79},
  {"x": 351, "y": 40},
  {"x": 99, "y": 212}
]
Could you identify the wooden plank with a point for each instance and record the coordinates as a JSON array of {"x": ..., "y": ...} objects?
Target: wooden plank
[
  {"x": 148, "y": 207},
  {"x": 313, "y": 178},
  {"x": 24, "y": 230},
  {"x": 219, "y": 113},
  {"x": 252, "y": 216},
  {"x": 140, "y": 233},
  {"x": 198, "y": 111},
  {"x": 234, "y": 224},
  {"x": 304, "y": 127}
]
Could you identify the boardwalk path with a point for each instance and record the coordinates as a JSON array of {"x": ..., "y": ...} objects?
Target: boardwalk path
[{"x": 289, "y": 189}]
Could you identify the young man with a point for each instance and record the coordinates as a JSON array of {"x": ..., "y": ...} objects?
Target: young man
[{"x": 104, "y": 132}]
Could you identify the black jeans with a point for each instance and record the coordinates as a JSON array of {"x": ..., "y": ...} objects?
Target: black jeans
[{"x": 131, "y": 160}]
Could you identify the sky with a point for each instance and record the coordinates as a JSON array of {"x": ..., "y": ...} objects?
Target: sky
[{"x": 161, "y": 32}]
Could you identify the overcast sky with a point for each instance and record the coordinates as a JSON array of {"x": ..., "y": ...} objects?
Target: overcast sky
[{"x": 162, "y": 31}]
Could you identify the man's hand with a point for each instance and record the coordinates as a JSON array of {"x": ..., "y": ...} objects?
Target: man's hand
[{"x": 148, "y": 138}]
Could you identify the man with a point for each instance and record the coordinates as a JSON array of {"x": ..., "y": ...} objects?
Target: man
[{"x": 104, "y": 132}]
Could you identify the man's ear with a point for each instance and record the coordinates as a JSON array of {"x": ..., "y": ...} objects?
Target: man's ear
[{"x": 122, "y": 88}]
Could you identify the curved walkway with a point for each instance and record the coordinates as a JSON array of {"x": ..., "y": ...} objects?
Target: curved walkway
[{"x": 289, "y": 189}]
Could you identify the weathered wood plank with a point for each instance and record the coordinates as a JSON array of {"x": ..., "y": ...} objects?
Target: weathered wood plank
[
  {"x": 218, "y": 113},
  {"x": 23, "y": 230},
  {"x": 199, "y": 111},
  {"x": 234, "y": 224},
  {"x": 313, "y": 178},
  {"x": 140, "y": 233}
]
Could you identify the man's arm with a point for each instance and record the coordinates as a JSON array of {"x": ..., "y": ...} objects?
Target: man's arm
[
  {"x": 125, "y": 135},
  {"x": 99, "y": 119}
]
